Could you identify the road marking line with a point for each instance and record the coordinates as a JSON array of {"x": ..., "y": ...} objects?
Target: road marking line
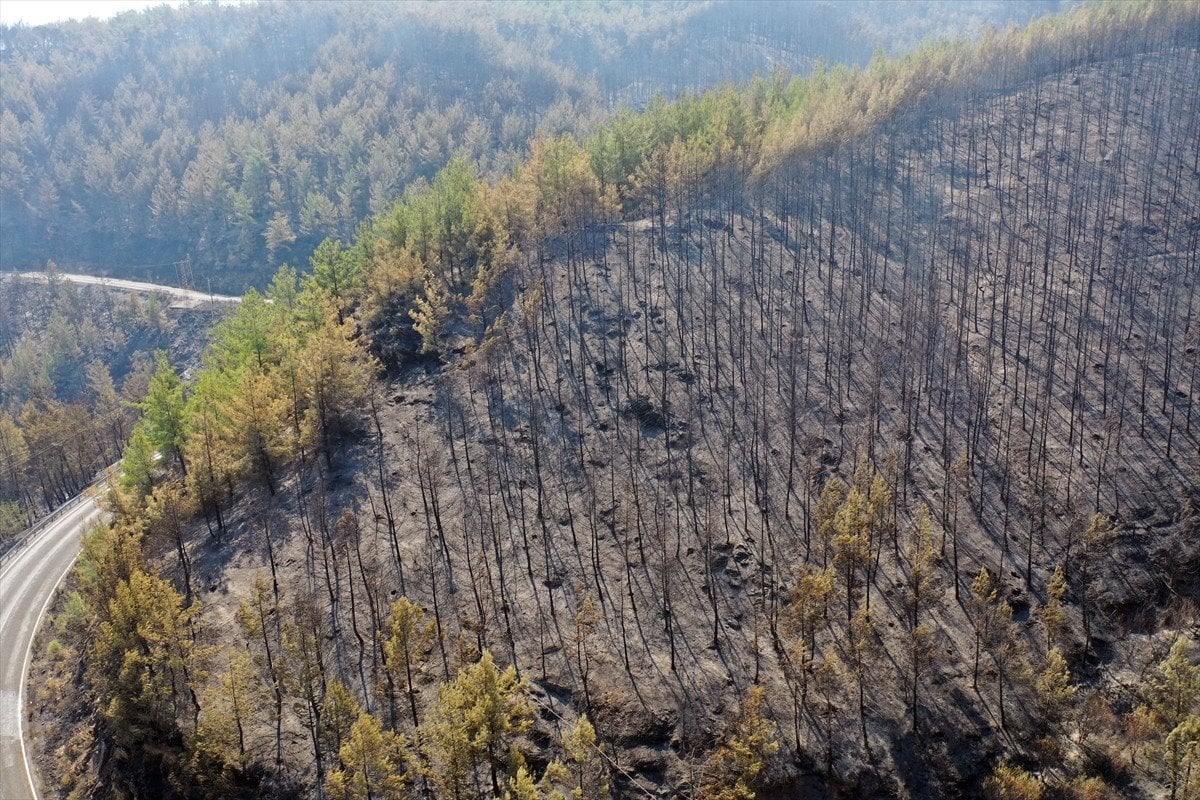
[{"x": 25, "y": 671}]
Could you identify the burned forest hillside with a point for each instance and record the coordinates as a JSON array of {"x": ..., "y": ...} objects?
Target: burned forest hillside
[
  {"x": 984, "y": 324},
  {"x": 847, "y": 447}
]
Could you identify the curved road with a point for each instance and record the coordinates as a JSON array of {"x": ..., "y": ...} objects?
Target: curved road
[
  {"x": 28, "y": 580},
  {"x": 30, "y": 575},
  {"x": 189, "y": 295}
]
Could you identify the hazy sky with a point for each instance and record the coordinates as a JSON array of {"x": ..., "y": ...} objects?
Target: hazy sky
[{"x": 39, "y": 12}]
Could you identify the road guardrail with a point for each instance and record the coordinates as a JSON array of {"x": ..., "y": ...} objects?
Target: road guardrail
[{"x": 55, "y": 515}]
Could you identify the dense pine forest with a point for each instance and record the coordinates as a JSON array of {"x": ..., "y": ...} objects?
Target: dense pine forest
[
  {"x": 208, "y": 145},
  {"x": 819, "y": 435}
]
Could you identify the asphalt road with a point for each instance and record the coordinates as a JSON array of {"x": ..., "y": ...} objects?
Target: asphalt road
[
  {"x": 28, "y": 580},
  {"x": 30, "y": 575},
  {"x": 129, "y": 286}
]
